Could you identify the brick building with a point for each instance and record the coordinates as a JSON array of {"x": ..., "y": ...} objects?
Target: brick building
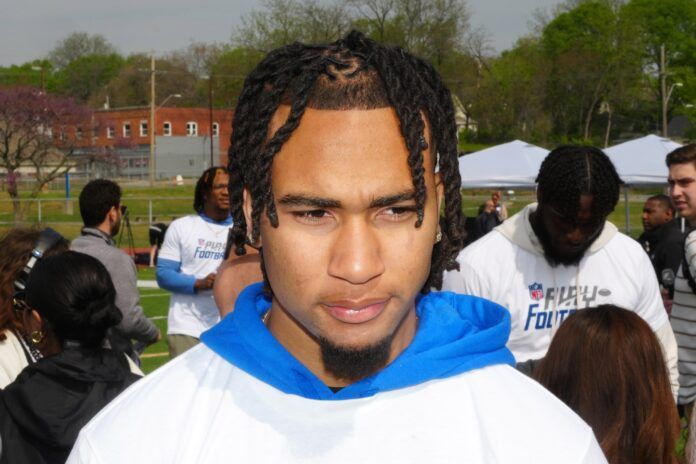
[{"x": 182, "y": 140}]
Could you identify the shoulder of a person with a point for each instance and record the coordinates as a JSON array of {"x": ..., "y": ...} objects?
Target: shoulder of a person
[
  {"x": 625, "y": 245},
  {"x": 156, "y": 394},
  {"x": 531, "y": 401},
  {"x": 184, "y": 222},
  {"x": 481, "y": 250},
  {"x": 512, "y": 401}
]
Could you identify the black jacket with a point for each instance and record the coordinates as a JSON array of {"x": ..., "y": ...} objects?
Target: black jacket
[
  {"x": 43, "y": 410},
  {"x": 665, "y": 246}
]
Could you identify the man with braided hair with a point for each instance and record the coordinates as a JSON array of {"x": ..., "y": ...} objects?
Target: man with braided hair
[
  {"x": 342, "y": 156},
  {"x": 561, "y": 255}
]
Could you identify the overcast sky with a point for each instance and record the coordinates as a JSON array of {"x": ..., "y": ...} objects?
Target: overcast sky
[{"x": 31, "y": 28}]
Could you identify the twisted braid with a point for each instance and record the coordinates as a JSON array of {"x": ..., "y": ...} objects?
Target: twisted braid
[
  {"x": 570, "y": 171},
  {"x": 352, "y": 73}
]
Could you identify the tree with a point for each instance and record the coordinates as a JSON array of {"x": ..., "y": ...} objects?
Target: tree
[
  {"x": 85, "y": 76},
  {"x": 33, "y": 74},
  {"x": 229, "y": 71},
  {"x": 431, "y": 29},
  {"x": 76, "y": 45},
  {"x": 509, "y": 101},
  {"x": 131, "y": 87},
  {"x": 199, "y": 57},
  {"x": 37, "y": 135},
  {"x": 672, "y": 24},
  {"x": 590, "y": 52},
  {"x": 282, "y": 22}
]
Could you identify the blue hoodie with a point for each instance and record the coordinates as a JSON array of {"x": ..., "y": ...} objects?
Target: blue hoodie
[{"x": 455, "y": 334}]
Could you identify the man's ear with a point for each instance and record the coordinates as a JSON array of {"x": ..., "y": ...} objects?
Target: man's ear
[{"x": 112, "y": 215}]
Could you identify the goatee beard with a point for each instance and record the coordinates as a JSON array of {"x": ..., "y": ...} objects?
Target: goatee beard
[
  {"x": 353, "y": 364},
  {"x": 552, "y": 256}
]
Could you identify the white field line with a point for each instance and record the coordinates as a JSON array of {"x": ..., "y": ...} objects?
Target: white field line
[{"x": 154, "y": 295}]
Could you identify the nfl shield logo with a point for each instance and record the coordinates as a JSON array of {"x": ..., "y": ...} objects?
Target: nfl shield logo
[{"x": 536, "y": 291}]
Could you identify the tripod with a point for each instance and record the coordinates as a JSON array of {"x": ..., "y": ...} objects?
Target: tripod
[{"x": 129, "y": 234}]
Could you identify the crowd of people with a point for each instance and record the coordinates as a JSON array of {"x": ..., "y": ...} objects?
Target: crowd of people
[{"x": 325, "y": 308}]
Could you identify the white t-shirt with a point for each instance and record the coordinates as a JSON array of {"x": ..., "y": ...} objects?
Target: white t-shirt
[
  {"x": 200, "y": 408},
  {"x": 199, "y": 246},
  {"x": 539, "y": 297},
  {"x": 12, "y": 358}
]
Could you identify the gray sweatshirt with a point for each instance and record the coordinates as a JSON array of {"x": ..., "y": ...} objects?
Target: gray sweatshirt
[{"x": 134, "y": 326}]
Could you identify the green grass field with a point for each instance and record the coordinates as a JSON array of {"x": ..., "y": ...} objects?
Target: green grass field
[{"x": 155, "y": 303}]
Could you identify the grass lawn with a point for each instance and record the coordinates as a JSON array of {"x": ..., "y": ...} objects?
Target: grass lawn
[{"x": 155, "y": 303}]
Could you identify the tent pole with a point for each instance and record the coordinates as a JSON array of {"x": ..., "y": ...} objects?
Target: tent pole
[{"x": 628, "y": 224}]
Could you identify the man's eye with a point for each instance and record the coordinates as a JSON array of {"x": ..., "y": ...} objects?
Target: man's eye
[
  {"x": 396, "y": 213},
  {"x": 315, "y": 215}
]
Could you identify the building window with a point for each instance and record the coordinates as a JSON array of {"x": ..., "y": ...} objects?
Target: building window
[
  {"x": 167, "y": 128},
  {"x": 126, "y": 130},
  {"x": 191, "y": 129},
  {"x": 78, "y": 133},
  {"x": 216, "y": 129},
  {"x": 110, "y": 132},
  {"x": 63, "y": 137},
  {"x": 143, "y": 128}
]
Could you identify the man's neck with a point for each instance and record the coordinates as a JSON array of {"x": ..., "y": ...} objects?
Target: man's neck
[
  {"x": 104, "y": 227},
  {"x": 216, "y": 214}
]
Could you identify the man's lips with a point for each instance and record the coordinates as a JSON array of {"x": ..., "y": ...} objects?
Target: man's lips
[{"x": 356, "y": 312}]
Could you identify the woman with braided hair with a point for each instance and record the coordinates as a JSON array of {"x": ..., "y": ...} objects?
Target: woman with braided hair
[
  {"x": 343, "y": 158},
  {"x": 561, "y": 255}
]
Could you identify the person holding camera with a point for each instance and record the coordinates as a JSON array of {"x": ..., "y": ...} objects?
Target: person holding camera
[{"x": 102, "y": 213}]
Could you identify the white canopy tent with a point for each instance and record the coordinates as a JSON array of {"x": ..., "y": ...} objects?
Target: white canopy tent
[
  {"x": 510, "y": 165},
  {"x": 642, "y": 161}
]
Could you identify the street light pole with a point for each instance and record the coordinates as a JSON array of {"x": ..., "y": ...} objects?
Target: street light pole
[
  {"x": 664, "y": 91},
  {"x": 152, "y": 120},
  {"x": 210, "y": 111},
  {"x": 43, "y": 76}
]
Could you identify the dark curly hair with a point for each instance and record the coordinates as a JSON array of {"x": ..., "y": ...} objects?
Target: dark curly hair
[
  {"x": 352, "y": 73},
  {"x": 570, "y": 171},
  {"x": 204, "y": 185}
]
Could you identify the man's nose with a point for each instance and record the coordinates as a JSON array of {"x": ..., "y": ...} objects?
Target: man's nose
[{"x": 356, "y": 255}]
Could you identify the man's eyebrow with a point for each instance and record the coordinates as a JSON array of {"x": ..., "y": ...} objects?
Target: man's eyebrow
[
  {"x": 307, "y": 200},
  {"x": 389, "y": 200}
]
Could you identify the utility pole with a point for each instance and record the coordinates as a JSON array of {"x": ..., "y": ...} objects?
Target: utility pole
[
  {"x": 152, "y": 120},
  {"x": 663, "y": 89},
  {"x": 210, "y": 111}
]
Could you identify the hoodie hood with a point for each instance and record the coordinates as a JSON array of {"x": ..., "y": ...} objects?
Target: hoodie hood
[
  {"x": 519, "y": 231},
  {"x": 455, "y": 334},
  {"x": 51, "y": 400}
]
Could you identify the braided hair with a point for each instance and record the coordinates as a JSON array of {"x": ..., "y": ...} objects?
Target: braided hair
[
  {"x": 570, "y": 171},
  {"x": 352, "y": 73},
  {"x": 204, "y": 185}
]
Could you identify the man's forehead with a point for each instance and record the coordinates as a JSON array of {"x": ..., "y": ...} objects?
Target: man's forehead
[
  {"x": 283, "y": 112},
  {"x": 682, "y": 171}
]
